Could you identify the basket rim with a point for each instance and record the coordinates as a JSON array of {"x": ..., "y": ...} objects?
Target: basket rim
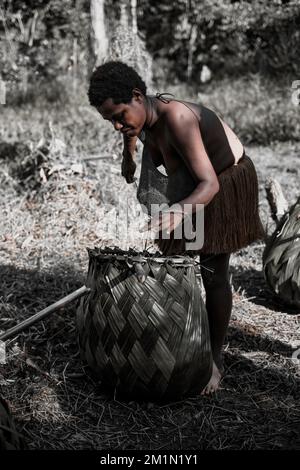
[{"x": 131, "y": 256}]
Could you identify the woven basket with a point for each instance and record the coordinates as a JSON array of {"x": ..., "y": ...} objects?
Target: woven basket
[
  {"x": 143, "y": 327},
  {"x": 281, "y": 258},
  {"x": 9, "y": 438}
]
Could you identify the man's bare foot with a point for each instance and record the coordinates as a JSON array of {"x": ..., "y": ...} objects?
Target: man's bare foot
[{"x": 214, "y": 381}]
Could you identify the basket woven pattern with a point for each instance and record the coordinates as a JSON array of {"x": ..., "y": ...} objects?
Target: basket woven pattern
[
  {"x": 281, "y": 258},
  {"x": 145, "y": 339},
  {"x": 9, "y": 438}
]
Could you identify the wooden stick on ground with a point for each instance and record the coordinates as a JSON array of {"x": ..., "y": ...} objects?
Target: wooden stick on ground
[
  {"x": 278, "y": 204},
  {"x": 43, "y": 313}
]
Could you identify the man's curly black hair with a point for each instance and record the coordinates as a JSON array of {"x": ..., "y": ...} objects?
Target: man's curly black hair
[{"x": 114, "y": 80}]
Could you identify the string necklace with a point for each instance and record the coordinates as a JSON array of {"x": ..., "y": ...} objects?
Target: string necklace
[
  {"x": 151, "y": 106},
  {"x": 159, "y": 96}
]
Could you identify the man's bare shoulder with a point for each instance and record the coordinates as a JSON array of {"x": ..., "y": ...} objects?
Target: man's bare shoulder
[{"x": 177, "y": 113}]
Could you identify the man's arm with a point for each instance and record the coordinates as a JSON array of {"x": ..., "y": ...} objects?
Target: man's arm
[
  {"x": 185, "y": 136},
  {"x": 128, "y": 166},
  {"x": 129, "y": 145}
]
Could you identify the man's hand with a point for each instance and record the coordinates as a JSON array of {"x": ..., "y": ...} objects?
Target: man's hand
[
  {"x": 165, "y": 221},
  {"x": 128, "y": 167}
]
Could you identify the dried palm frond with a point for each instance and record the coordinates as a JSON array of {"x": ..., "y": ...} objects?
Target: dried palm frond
[
  {"x": 281, "y": 258},
  {"x": 146, "y": 336}
]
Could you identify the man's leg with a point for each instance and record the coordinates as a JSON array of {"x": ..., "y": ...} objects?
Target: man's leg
[{"x": 215, "y": 276}]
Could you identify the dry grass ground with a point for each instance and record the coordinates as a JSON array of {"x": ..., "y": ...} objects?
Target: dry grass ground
[{"x": 47, "y": 222}]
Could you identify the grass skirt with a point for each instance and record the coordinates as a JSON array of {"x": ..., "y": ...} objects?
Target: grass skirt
[{"x": 231, "y": 219}]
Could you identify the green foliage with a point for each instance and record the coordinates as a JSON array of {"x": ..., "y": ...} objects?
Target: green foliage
[
  {"x": 230, "y": 37},
  {"x": 48, "y": 38},
  {"x": 44, "y": 55},
  {"x": 43, "y": 40}
]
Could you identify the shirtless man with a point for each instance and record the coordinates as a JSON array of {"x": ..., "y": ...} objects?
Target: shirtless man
[{"x": 176, "y": 133}]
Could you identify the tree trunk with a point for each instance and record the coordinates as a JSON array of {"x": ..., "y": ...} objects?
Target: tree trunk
[
  {"x": 99, "y": 39},
  {"x": 120, "y": 41}
]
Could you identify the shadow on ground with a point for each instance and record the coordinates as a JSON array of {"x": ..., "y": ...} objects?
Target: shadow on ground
[
  {"x": 253, "y": 283},
  {"x": 58, "y": 407}
]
